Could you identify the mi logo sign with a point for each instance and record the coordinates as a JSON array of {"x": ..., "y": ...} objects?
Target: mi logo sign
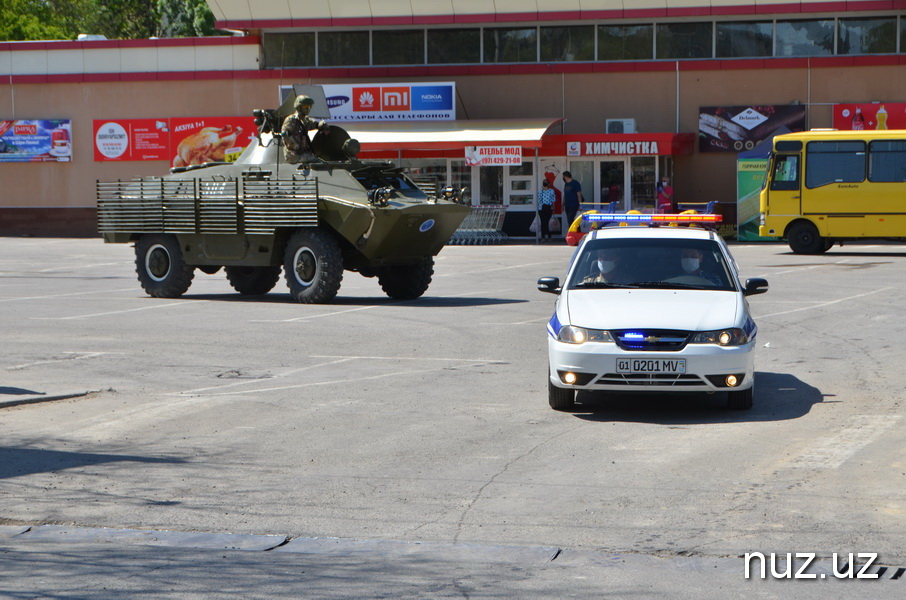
[{"x": 395, "y": 98}]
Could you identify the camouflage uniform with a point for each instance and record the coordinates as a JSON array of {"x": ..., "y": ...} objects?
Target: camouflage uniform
[{"x": 296, "y": 144}]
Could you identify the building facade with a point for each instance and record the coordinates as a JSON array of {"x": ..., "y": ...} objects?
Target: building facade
[{"x": 628, "y": 91}]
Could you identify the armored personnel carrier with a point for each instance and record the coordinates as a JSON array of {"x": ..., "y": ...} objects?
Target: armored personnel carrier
[{"x": 316, "y": 218}]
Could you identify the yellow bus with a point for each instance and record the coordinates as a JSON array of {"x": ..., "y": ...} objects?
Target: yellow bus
[{"x": 826, "y": 186}]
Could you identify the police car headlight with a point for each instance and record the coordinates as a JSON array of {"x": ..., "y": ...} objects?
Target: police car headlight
[
  {"x": 579, "y": 335},
  {"x": 723, "y": 337}
]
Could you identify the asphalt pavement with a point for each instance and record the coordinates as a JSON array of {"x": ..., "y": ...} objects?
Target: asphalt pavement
[{"x": 217, "y": 446}]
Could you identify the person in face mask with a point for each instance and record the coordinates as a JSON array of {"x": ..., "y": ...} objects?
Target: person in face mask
[
  {"x": 605, "y": 268},
  {"x": 691, "y": 262}
]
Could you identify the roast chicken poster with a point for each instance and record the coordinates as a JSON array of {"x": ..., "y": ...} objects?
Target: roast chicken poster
[{"x": 182, "y": 141}]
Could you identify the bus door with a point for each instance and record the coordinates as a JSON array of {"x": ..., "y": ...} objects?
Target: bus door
[
  {"x": 784, "y": 196},
  {"x": 836, "y": 187}
]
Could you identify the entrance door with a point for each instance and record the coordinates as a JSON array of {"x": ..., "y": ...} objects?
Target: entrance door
[
  {"x": 511, "y": 186},
  {"x": 643, "y": 172},
  {"x": 613, "y": 184},
  {"x": 490, "y": 185}
]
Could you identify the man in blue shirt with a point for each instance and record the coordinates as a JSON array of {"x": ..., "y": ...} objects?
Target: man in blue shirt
[{"x": 572, "y": 197}]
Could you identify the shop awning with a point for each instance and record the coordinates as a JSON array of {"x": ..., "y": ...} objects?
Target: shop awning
[{"x": 448, "y": 135}]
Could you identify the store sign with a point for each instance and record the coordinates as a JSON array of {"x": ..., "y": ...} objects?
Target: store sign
[
  {"x": 633, "y": 148},
  {"x": 395, "y": 102},
  {"x": 741, "y": 128},
  {"x": 36, "y": 140},
  {"x": 485, "y": 156},
  {"x": 182, "y": 141},
  {"x": 890, "y": 115}
]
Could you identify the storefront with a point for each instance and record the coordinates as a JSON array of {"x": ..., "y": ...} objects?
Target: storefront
[{"x": 480, "y": 156}]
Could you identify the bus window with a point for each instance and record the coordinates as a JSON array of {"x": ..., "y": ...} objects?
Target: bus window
[
  {"x": 887, "y": 161},
  {"x": 786, "y": 172},
  {"x": 834, "y": 162}
]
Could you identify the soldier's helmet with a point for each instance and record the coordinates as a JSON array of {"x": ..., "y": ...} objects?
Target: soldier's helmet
[{"x": 303, "y": 100}]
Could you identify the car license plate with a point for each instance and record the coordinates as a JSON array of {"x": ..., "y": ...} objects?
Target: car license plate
[{"x": 651, "y": 365}]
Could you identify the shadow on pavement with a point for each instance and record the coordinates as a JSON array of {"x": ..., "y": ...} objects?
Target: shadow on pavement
[
  {"x": 15, "y": 391},
  {"x": 778, "y": 397},
  {"x": 426, "y": 301},
  {"x": 16, "y": 462}
]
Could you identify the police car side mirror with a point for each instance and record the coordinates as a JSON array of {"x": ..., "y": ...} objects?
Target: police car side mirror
[
  {"x": 756, "y": 285},
  {"x": 550, "y": 285}
]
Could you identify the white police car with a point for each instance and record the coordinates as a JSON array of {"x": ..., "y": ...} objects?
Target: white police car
[{"x": 652, "y": 309}]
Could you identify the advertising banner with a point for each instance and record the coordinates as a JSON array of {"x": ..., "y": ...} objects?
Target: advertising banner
[
  {"x": 210, "y": 139},
  {"x": 740, "y": 128},
  {"x": 890, "y": 115},
  {"x": 36, "y": 140},
  {"x": 392, "y": 102},
  {"x": 484, "y": 156},
  {"x": 182, "y": 141},
  {"x": 750, "y": 174},
  {"x": 131, "y": 139}
]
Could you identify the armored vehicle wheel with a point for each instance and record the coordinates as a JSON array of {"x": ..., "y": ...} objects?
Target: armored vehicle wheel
[
  {"x": 161, "y": 268},
  {"x": 252, "y": 281},
  {"x": 313, "y": 266},
  {"x": 406, "y": 282}
]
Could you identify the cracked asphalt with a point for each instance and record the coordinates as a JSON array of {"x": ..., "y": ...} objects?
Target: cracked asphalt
[{"x": 386, "y": 426}]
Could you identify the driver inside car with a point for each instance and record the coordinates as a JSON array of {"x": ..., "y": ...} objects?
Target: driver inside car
[{"x": 606, "y": 268}]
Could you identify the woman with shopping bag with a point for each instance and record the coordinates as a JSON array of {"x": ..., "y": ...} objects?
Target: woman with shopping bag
[{"x": 546, "y": 200}]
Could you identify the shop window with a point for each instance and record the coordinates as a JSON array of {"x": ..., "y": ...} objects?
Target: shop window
[
  {"x": 684, "y": 40},
  {"x": 867, "y": 36},
  {"x": 887, "y": 161},
  {"x": 561, "y": 44},
  {"x": 288, "y": 50},
  {"x": 740, "y": 40},
  {"x": 398, "y": 47},
  {"x": 805, "y": 38},
  {"x": 522, "y": 184},
  {"x": 454, "y": 46},
  {"x": 625, "y": 42},
  {"x": 461, "y": 177},
  {"x": 503, "y": 45},
  {"x": 583, "y": 171},
  {"x": 342, "y": 48},
  {"x": 902, "y": 36},
  {"x": 834, "y": 162}
]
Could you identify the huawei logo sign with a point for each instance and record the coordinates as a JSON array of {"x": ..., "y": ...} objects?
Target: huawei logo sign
[{"x": 366, "y": 100}]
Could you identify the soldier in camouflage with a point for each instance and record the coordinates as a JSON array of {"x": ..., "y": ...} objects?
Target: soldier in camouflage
[{"x": 296, "y": 144}]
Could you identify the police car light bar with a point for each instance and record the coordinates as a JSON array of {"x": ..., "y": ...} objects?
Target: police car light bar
[{"x": 650, "y": 218}]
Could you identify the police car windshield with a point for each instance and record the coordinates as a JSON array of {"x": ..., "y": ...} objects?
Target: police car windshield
[{"x": 651, "y": 262}]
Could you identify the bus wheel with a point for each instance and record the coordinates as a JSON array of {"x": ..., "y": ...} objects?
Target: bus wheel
[{"x": 804, "y": 239}]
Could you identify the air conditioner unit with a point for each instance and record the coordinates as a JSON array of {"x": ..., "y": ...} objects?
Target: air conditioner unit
[{"x": 620, "y": 125}]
